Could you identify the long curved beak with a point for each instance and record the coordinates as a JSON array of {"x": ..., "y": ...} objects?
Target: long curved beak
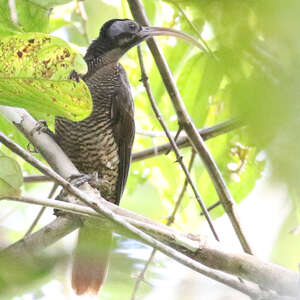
[{"x": 147, "y": 32}]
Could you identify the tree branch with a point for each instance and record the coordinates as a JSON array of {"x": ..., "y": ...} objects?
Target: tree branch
[
  {"x": 64, "y": 225},
  {"x": 185, "y": 121},
  {"x": 183, "y": 141},
  {"x": 173, "y": 143},
  {"x": 199, "y": 248}
]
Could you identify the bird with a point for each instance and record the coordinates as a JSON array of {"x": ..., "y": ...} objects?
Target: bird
[{"x": 102, "y": 143}]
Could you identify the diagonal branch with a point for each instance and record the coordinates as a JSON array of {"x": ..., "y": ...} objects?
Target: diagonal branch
[
  {"x": 63, "y": 225},
  {"x": 183, "y": 141},
  {"x": 197, "y": 248},
  {"x": 184, "y": 244},
  {"x": 185, "y": 121},
  {"x": 206, "y": 133},
  {"x": 172, "y": 142}
]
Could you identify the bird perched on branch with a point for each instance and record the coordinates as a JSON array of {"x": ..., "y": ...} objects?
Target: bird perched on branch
[{"x": 102, "y": 143}]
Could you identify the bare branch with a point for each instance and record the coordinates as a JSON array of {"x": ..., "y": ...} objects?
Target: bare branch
[
  {"x": 200, "y": 248},
  {"x": 173, "y": 143},
  {"x": 193, "y": 27},
  {"x": 206, "y": 133},
  {"x": 185, "y": 121},
  {"x": 80, "y": 10},
  {"x": 183, "y": 141},
  {"x": 40, "y": 239},
  {"x": 212, "y": 207},
  {"x": 36, "y": 178},
  {"x": 171, "y": 218}
]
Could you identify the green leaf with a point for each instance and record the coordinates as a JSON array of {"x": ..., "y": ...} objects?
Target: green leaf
[
  {"x": 56, "y": 23},
  {"x": 21, "y": 273},
  {"x": 34, "y": 71},
  {"x": 31, "y": 16},
  {"x": 11, "y": 177},
  {"x": 50, "y": 3},
  {"x": 64, "y": 98},
  {"x": 7, "y": 27}
]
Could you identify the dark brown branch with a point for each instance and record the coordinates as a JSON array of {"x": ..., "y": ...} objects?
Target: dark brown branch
[
  {"x": 206, "y": 133},
  {"x": 36, "y": 178},
  {"x": 185, "y": 121},
  {"x": 171, "y": 218},
  {"x": 173, "y": 143},
  {"x": 211, "y": 207}
]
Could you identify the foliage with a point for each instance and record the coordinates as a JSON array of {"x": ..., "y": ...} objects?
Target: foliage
[
  {"x": 253, "y": 77},
  {"x": 11, "y": 177}
]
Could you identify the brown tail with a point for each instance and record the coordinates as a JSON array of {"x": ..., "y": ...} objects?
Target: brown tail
[{"x": 90, "y": 260}]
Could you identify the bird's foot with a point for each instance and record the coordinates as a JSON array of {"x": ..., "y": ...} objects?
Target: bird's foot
[
  {"x": 58, "y": 212},
  {"x": 92, "y": 179},
  {"x": 42, "y": 127},
  {"x": 77, "y": 180},
  {"x": 74, "y": 76}
]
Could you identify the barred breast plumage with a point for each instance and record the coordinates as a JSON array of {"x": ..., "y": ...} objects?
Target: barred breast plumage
[{"x": 91, "y": 144}]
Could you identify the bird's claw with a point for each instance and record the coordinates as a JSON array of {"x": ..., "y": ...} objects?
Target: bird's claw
[
  {"x": 58, "y": 212},
  {"x": 41, "y": 126},
  {"x": 74, "y": 76},
  {"x": 79, "y": 179}
]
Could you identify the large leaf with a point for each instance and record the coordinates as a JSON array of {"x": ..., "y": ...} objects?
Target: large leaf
[
  {"x": 11, "y": 177},
  {"x": 34, "y": 72}
]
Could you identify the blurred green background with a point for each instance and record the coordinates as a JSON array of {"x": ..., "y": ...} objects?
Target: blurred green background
[{"x": 254, "y": 78}]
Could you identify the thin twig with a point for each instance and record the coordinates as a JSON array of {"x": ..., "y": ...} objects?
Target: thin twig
[
  {"x": 42, "y": 210},
  {"x": 138, "y": 11},
  {"x": 206, "y": 133},
  {"x": 183, "y": 141},
  {"x": 36, "y": 178},
  {"x": 153, "y": 133},
  {"x": 141, "y": 276},
  {"x": 174, "y": 146},
  {"x": 171, "y": 218},
  {"x": 212, "y": 207}
]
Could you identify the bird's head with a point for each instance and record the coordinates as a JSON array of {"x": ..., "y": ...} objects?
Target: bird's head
[
  {"x": 121, "y": 33},
  {"x": 117, "y": 36}
]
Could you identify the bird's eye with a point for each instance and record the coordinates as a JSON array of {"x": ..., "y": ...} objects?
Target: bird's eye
[{"x": 132, "y": 26}]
